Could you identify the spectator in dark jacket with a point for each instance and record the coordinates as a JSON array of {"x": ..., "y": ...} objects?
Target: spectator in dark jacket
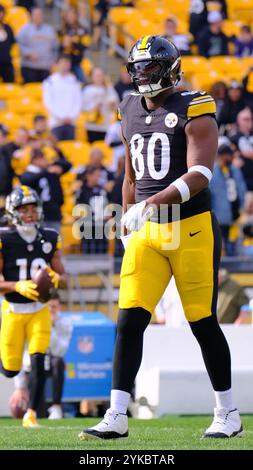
[
  {"x": 233, "y": 104},
  {"x": 74, "y": 40},
  {"x": 93, "y": 195},
  {"x": 124, "y": 85},
  {"x": 45, "y": 179},
  {"x": 243, "y": 141},
  {"x": 213, "y": 41},
  {"x": 199, "y": 12},
  {"x": 228, "y": 190},
  {"x": 6, "y": 42},
  {"x": 244, "y": 43}
]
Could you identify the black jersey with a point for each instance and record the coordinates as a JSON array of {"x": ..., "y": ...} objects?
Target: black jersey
[
  {"x": 157, "y": 143},
  {"x": 22, "y": 259}
]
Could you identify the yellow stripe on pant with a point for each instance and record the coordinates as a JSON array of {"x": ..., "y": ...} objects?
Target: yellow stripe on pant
[
  {"x": 16, "y": 328},
  {"x": 151, "y": 259}
]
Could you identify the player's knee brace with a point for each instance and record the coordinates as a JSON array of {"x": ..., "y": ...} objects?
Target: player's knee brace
[
  {"x": 8, "y": 373},
  {"x": 133, "y": 321}
]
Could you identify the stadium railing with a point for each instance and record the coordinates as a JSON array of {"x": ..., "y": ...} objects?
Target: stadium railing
[{"x": 100, "y": 265}]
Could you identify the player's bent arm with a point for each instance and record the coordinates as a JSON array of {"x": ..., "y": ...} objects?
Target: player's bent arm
[
  {"x": 57, "y": 268},
  {"x": 202, "y": 141}
]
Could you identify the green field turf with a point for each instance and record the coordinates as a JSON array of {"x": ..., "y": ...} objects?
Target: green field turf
[{"x": 168, "y": 433}]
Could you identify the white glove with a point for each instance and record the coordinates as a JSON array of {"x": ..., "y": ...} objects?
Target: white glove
[
  {"x": 125, "y": 239},
  {"x": 134, "y": 218}
]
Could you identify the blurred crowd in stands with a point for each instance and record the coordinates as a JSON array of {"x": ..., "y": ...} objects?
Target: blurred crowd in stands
[{"x": 58, "y": 112}]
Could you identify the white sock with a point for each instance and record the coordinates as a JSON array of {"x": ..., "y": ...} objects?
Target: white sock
[
  {"x": 119, "y": 401},
  {"x": 225, "y": 399}
]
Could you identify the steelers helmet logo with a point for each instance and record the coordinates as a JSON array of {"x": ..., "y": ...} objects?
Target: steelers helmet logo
[
  {"x": 171, "y": 120},
  {"x": 47, "y": 247}
]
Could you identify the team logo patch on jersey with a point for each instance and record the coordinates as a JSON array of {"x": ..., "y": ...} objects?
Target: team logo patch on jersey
[
  {"x": 47, "y": 247},
  {"x": 171, "y": 120}
]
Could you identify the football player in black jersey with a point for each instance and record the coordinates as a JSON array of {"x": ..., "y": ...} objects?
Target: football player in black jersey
[
  {"x": 171, "y": 142},
  {"x": 24, "y": 248}
]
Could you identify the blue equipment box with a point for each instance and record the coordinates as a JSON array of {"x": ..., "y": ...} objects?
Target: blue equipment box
[{"x": 88, "y": 372}]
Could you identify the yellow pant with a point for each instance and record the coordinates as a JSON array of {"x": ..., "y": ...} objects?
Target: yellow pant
[
  {"x": 16, "y": 328},
  {"x": 190, "y": 250}
]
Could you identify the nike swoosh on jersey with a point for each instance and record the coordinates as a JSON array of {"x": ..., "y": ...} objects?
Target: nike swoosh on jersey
[{"x": 195, "y": 233}]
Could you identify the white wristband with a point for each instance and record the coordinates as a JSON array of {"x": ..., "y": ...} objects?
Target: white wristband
[
  {"x": 183, "y": 188},
  {"x": 203, "y": 170}
]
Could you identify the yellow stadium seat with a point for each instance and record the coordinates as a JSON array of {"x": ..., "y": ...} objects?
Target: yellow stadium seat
[
  {"x": 203, "y": 81},
  {"x": 15, "y": 51},
  {"x": 229, "y": 66},
  {"x": 20, "y": 160},
  {"x": 76, "y": 152},
  {"x": 17, "y": 17},
  {"x": 250, "y": 83},
  {"x": 81, "y": 132},
  {"x": 107, "y": 151},
  {"x": 87, "y": 66},
  {"x": 192, "y": 63},
  {"x": 25, "y": 105},
  {"x": 70, "y": 244},
  {"x": 68, "y": 178},
  {"x": 10, "y": 91},
  {"x": 247, "y": 64},
  {"x": 179, "y": 8},
  {"x": 11, "y": 120},
  {"x": 240, "y": 10},
  {"x": 142, "y": 28},
  {"x": 231, "y": 28},
  {"x": 67, "y": 182},
  {"x": 7, "y": 4},
  {"x": 121, "y": 15},
  {"x": 155, "y": 15},
  {"x": 33, "y": 91},
  {"x": 144, "y": 4}
]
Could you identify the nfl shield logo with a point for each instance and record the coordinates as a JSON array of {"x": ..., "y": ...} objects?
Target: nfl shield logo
[{"x": 85, "y": 344}]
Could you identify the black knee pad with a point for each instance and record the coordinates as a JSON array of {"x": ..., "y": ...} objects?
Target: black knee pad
[
  {"x": 8, "y": 373},
  {"x": 133, "y": 321}
]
